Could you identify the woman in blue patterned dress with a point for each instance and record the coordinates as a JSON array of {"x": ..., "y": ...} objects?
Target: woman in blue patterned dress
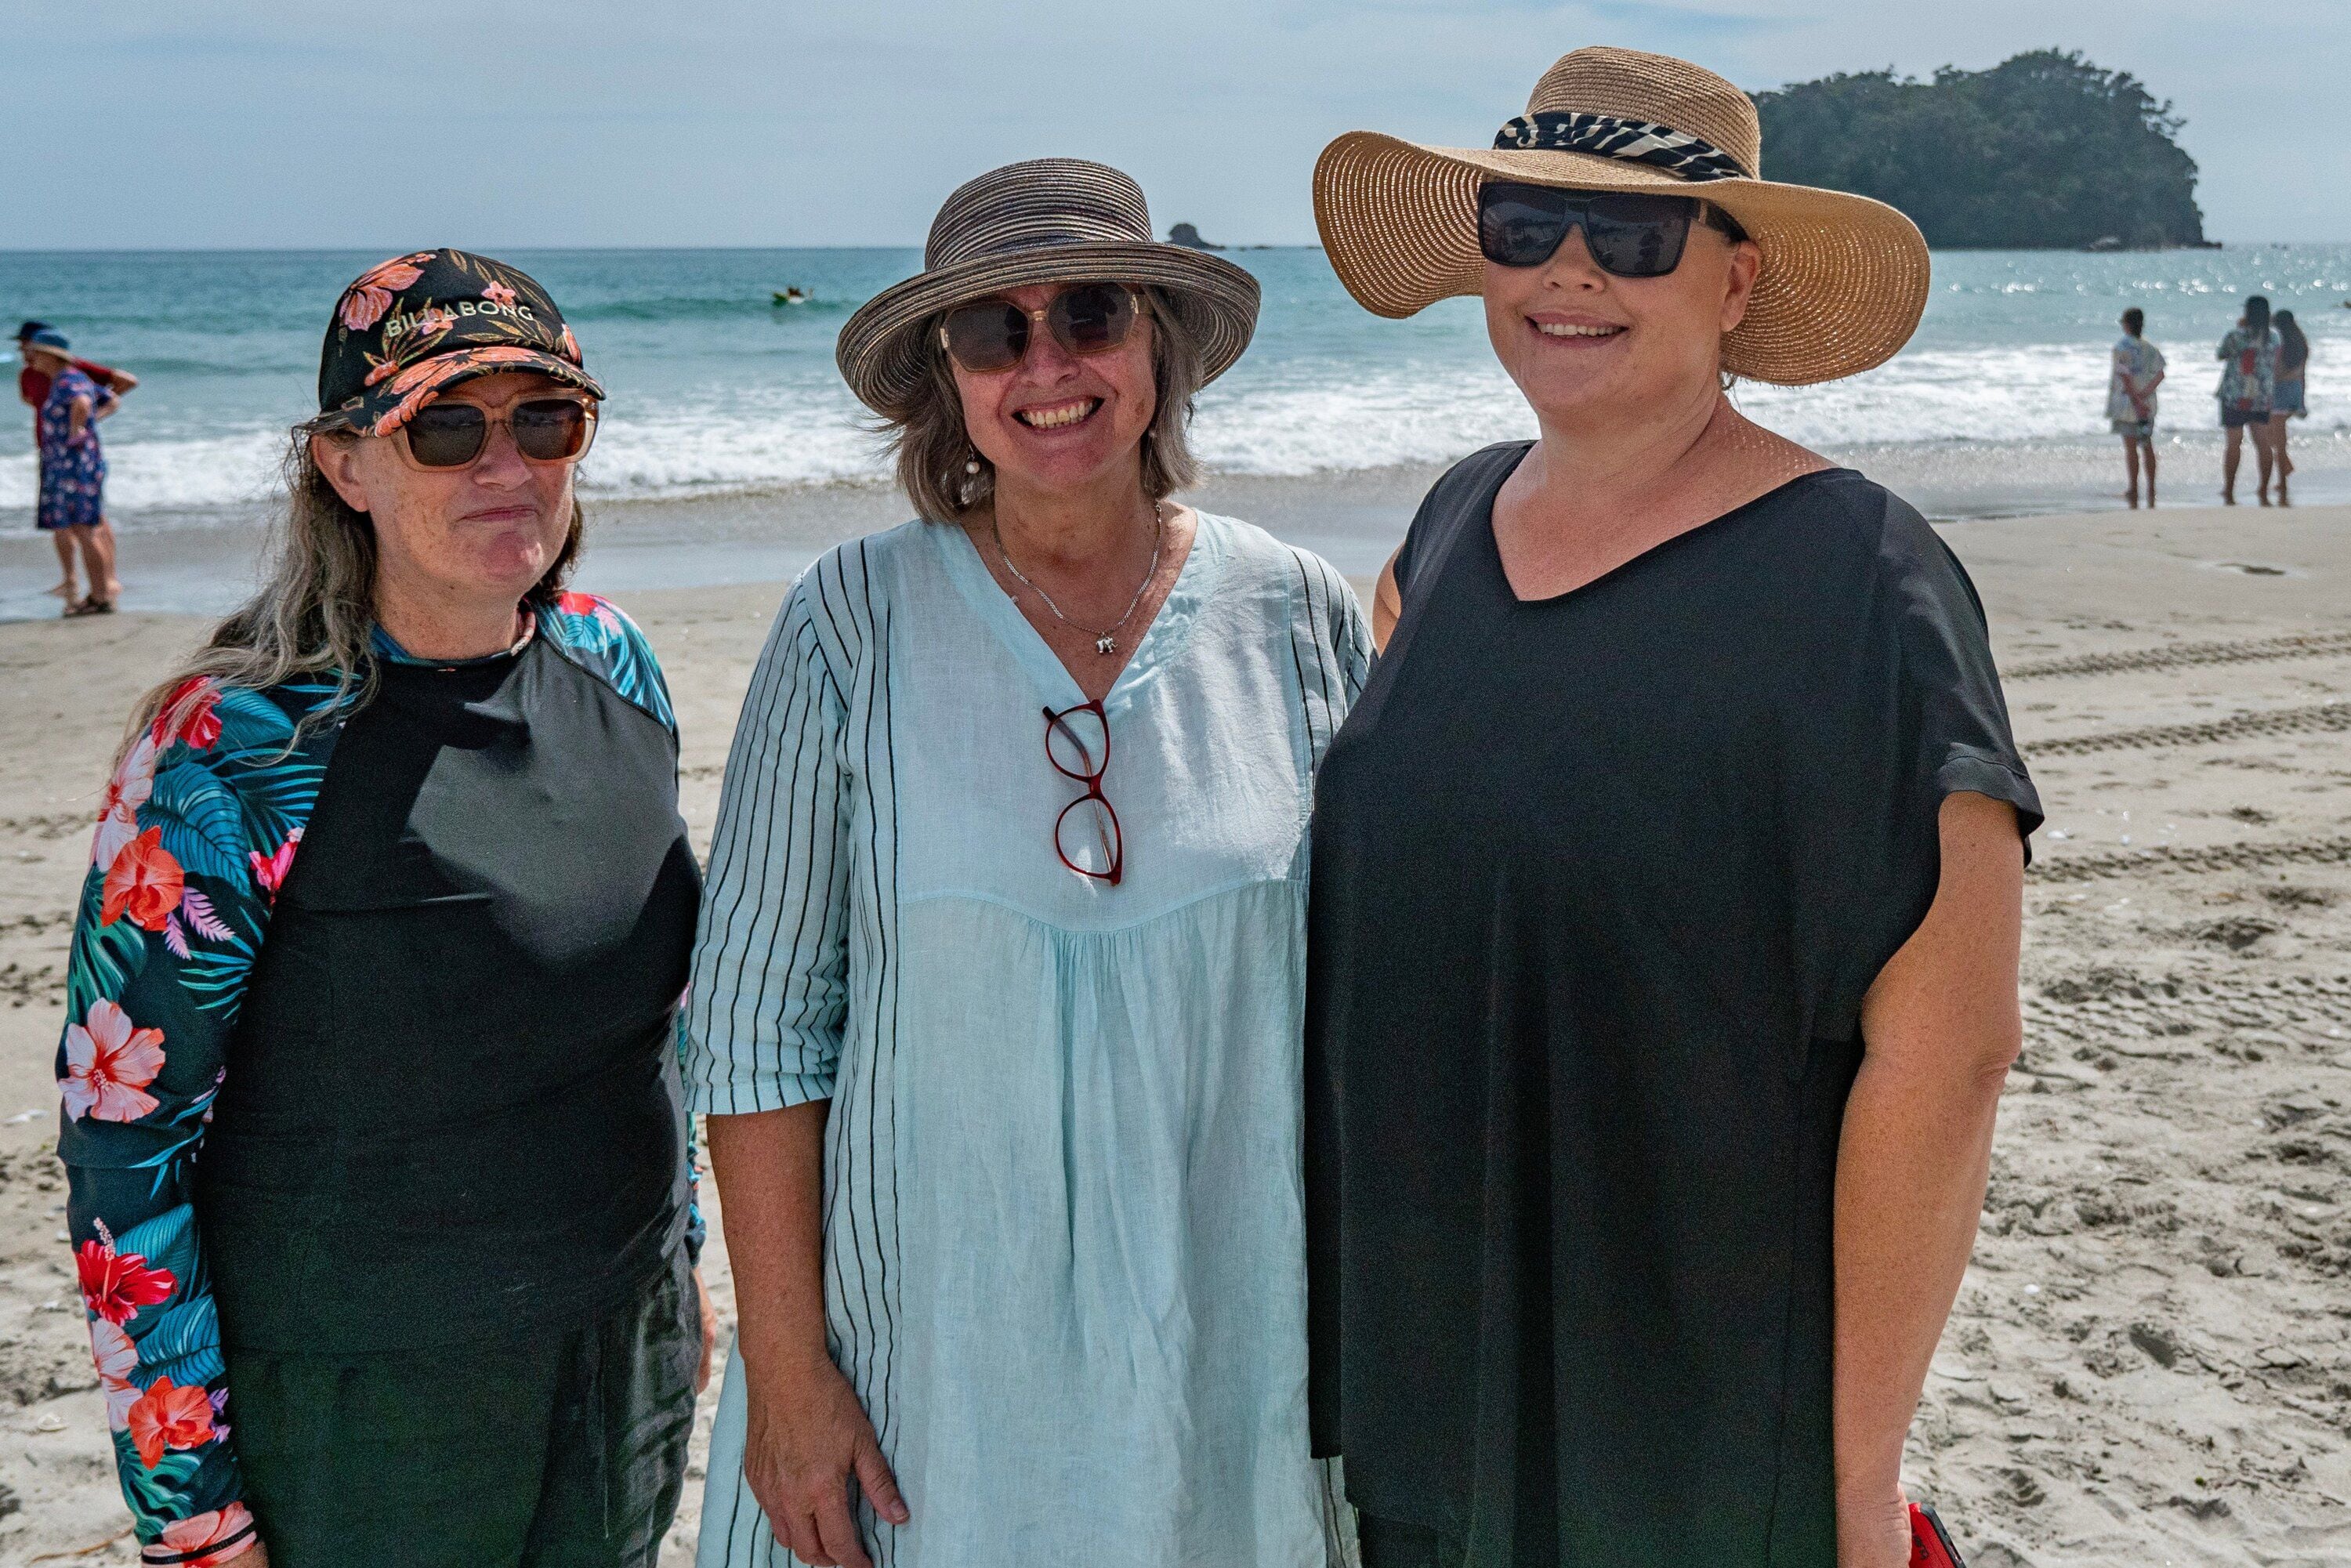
[
  {"x": 73, "y": 463},
  {"x": 998, "y": 1004},
  {"x": 387, "y": 916}
]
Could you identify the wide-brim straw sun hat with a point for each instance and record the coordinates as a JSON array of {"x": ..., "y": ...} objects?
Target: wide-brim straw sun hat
[
  {"x": 1843, "y": 277},
  {"x": 1049, "y": 220}
]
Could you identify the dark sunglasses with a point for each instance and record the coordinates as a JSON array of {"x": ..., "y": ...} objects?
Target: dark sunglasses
[
  {"x": 545, "y": 429},
  {"x": 1085, "y": 318},
  {"x": 1628, "y": 236},
  {"x": 1086, "y": 834}
]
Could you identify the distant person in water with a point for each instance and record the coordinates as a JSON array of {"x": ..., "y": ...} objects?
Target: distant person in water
[
  {"x": 2130, "y": 399},
  {"x": 2286, "y": 395},
  {"x": 73, "y": 468},
  {"x": 33, "y": 387},
  {"x": 2248, "y": 380}
]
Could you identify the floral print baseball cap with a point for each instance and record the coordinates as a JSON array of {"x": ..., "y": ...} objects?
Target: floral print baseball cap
[{"x": 408, "y": 329}]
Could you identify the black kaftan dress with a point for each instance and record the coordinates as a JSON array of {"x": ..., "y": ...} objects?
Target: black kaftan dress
[{"x": 1599, "y": 884}]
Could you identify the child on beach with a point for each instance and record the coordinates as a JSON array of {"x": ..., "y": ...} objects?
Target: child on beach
[
  {"x": 33, "y": 389},
  {"x": 2130, "y": 399},
  {"x": 73, "y": 468}
]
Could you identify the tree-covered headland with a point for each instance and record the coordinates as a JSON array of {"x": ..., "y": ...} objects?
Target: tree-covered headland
[{"x": 2043, "y": 151}]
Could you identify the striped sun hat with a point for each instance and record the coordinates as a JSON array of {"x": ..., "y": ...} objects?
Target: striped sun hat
[
  {"x": 1051, "y": 220},
  {"x": 1843, "y": 280}
]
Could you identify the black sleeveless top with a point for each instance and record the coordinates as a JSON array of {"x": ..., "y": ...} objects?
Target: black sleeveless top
[
  {"x": 452, "y": 1112},
  {"x": 1599, "y": 883}
]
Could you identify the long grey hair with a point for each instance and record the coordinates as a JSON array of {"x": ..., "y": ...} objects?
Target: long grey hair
[{"x": 316, "y": 610}]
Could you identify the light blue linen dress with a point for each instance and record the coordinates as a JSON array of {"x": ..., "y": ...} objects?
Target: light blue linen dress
[{"x": 1065, "y": 1249}]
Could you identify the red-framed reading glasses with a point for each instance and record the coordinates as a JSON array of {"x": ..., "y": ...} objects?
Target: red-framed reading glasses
[{"x": 1086, "y": 834}]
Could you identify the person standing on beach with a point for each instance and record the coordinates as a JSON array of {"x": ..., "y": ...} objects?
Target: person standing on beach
[
  {"x": 2130, "y": 399},
  {"x": 995, "y": 1012},
  {"x": 2287, "y": 399},
  {"x": 73, "y": 469},
  {"x": 1667, "y": 878},
  {"x": 2248, "y": 381},
  {"x": 388, "y": 912},
  {"x": 33, "y": 387}
]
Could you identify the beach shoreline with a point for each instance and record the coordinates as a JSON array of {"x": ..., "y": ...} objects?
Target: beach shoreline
[
  {"x": 2150, "y": 1360},
  {"x": 201, "y": 561}
]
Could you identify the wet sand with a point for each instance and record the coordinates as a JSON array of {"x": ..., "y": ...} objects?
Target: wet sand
[{"x": 2150, "y": 1362}]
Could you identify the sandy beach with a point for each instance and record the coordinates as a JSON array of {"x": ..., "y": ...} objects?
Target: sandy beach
[{"x": 2150, "y": 1362}]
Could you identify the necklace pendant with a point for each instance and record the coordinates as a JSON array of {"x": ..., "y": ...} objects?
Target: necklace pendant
[{"x": 1106, "y": 644}]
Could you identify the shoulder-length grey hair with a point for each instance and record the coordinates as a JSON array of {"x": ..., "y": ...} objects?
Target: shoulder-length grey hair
[
  {"x": 316, "y": 610},
  {"x": 935, "y": 453}
]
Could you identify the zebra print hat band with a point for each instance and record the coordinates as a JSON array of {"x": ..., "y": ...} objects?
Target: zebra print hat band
[{"x": 1635, "y": 140}]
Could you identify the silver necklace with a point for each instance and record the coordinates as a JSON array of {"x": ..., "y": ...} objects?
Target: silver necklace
[{"x": 1105, "y": 642}]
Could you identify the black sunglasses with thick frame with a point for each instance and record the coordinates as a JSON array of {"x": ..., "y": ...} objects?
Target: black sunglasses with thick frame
[{"x": 1627, "y": 234}]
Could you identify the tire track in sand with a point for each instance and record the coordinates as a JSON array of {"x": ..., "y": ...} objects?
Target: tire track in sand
[
  {"x": 2323, "y": 718},
  {"x": 2180, "y": 858},
  {"x": 2304, "y": 646}
]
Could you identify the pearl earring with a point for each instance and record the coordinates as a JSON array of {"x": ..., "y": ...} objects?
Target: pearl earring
[{"x": 972, "y": 468}]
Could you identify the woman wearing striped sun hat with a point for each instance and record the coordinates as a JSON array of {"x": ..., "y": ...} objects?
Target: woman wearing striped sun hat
[
  {"x": 996, "y": 1008},
  {"x": 1667, "y": 878}
]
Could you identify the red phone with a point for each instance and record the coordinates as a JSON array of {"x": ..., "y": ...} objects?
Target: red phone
[{"x": 1931, "y": 1543}]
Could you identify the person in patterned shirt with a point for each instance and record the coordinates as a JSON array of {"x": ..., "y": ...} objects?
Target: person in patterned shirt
[
  {"x": 389, "y": 911},
  {"x": 2130, "y": 399},
  {"x": 2249, "y": 356}
]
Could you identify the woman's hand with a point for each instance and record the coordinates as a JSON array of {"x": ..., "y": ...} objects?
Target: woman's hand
[
  {"x": 1874, "y": 1532},
  {"x": 806, "y": 1434},
  {"x": 709, "y": 1334}
]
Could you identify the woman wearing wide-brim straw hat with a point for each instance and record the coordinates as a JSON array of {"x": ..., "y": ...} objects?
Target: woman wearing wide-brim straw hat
[
  {"x": 1666, "y": 879},
  {"x": 995, "y": 1011}
]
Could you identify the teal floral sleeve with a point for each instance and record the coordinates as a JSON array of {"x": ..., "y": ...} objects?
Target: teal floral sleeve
[{"x": 195, "y": 833}]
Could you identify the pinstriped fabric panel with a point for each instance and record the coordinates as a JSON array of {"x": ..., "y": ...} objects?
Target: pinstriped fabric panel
[
  {"x": 796, "y": 976},
  {"x": 765, "y": 1010}
]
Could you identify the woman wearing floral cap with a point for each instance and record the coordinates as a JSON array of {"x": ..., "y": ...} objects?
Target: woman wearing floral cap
[{"x": 389, "y": 911}]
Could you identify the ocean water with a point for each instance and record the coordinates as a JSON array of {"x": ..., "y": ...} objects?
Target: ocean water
[{"x": 1996, "y": 405}]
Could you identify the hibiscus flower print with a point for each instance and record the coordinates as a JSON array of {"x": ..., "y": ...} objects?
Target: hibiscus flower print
[
  {"x": 168, "y": 1416},
  {"x": 117, "y": 1358},
  {"x": 187, "y": 715},
  {"x": 115, "y": 1285},
  {"x": 498, "y": 293},
  {"x": 117, "y": 810},
  {"x": 365, "y": 301},
  {"x": 144, "y": 882},
  {"x": 108, "y": 1064},
  {"x": 588, "y": 604},
  {"x": 229, "y": 1529},
  {"x": 269, "y": 871}
]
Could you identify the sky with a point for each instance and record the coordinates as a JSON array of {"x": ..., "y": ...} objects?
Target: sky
[{"x": 489, "y": 123}]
